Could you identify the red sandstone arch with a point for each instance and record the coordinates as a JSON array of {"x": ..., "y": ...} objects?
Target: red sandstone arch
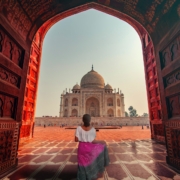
[
  {"x": 147, "y": 46},
  {"x": 158, "y": 28}
]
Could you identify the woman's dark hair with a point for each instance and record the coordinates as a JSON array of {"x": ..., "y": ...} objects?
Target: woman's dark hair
[{"x": 86, "y": 120}]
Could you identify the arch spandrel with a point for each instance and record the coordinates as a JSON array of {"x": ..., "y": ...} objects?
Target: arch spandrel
[{"x": 38, "y": 12}]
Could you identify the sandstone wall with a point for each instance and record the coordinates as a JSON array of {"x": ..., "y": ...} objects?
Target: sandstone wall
[{"x": 57, "y": 121}]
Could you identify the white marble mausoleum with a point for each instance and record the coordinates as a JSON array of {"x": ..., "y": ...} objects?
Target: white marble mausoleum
[{"x": 92, "y": 97}]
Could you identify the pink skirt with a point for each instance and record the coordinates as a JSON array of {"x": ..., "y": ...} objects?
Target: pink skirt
[{"x": 92, "y": 158}]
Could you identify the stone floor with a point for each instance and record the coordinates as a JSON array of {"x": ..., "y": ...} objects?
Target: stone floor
[{"x": 52, "y": 155}]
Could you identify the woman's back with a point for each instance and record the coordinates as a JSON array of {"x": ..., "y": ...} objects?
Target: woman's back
[{"x": 85, "y": 135}]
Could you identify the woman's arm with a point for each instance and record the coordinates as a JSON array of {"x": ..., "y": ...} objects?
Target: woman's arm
[
  {"x": 99, "y": 142},
  {"x": 76, "y": 139}
]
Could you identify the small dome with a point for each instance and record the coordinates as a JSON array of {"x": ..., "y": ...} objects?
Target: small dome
[
  {"x": 92, "y": 80},
  {"x": 108, "y": 86},
  {"x": 76, "y": 86}
]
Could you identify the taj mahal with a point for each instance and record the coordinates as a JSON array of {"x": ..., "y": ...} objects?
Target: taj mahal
[
  {"x": 92, "y": 97},
  {"x": 104, "y": 104}
]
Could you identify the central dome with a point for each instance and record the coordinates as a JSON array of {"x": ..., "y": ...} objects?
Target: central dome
[{"x": 92, "y": 80}]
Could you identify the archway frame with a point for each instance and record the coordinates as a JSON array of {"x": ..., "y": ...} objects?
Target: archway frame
[
  {"x": 161, "y": 35},
  {"x": 147, "y": 50}
]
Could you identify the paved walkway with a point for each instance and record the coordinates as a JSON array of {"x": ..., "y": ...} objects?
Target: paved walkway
[{"x": 52, "y": 155}]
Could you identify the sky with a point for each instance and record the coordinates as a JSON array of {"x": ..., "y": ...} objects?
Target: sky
[{"x": 73, "y": 44}]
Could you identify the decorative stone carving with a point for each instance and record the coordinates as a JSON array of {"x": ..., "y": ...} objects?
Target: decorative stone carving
[
  {"x": 5, "y": 144},
  {"x": 34, "y": 74},
  {"x": 31, "y": 94},
  {"x": 16, "y": 57},
  {"x": 33, "y": 84},
  {"x": 150, "y": 74},
  {"x": 1, "y": 41},
  {"x": 172, "y": 78},
  {"x": 170, "y": 52},
  {"x": 148, "y": 56},
  {"x": 94, "y": 95},
  {"x": 8, "y": 109},
  {"x": 37, "y": 39},
  {"x": 8, "y": 49},
  {"x": 11, "y": 49},
  {"x": 30, "y": 115},
  {"x": 25, "y": 131},
  {"x": 153, "y": 104},
  {"x": 166, "y": 58},
  {"x": 7, "y": 106},
  {"x": 17, "y": 18},
  {"x": 8, "y": 145},
  {"x": 173, "y": 104},
  {"x": 9, "y": 77},
  {"x": 174, "y": 51},
  {"x": 158, "y": 129},
  {"x": 154, "y": 114},
  {"x": 178, "y": 10},
  {"x": 1, "y": 108},
  {"x": 152, "y": 93},
  {"x": 175, "y": 138},
  {"x": 105, "y": 2},
  {"x": 35, "y": 65}
]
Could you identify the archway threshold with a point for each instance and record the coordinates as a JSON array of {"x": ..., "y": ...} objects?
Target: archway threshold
[{"x": 52, "y": 154}]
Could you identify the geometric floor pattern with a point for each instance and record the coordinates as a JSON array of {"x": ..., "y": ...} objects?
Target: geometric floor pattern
[{"x": 52, "y": 155}]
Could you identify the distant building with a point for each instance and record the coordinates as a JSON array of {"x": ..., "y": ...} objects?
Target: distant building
[{"x": 93, "y": 97}]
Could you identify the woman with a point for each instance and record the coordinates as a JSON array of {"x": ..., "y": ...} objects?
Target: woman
[{"x": 92, "y": 155}]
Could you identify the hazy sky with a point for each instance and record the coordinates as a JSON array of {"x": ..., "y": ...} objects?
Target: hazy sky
[{"x": 73, "y": 44}]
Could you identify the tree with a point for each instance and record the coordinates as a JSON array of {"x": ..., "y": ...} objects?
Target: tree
[
  {"x": 145, "y": 115},
  {"x": 126, "y": 114},
  {"x": 132, "y": 112}
]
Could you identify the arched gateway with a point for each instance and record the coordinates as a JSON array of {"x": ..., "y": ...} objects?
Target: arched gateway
[
  {"x": 23, "y": 25},
  {"x": 93, "y": 107}
]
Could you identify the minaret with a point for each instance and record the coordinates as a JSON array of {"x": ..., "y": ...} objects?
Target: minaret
[
  {"x": 61, "y": 106},
  {"x": 123, "y": 105}
]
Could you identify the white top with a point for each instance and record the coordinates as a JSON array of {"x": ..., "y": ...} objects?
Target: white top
[{"x": 85, "y": 136}]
